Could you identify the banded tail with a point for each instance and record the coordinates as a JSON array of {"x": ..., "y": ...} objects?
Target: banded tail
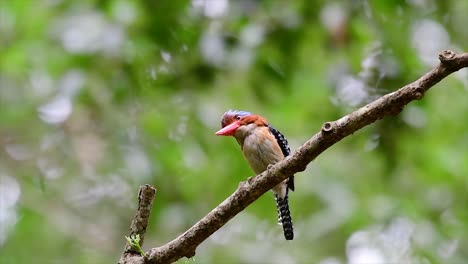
[{"x": 284, "y": 216}]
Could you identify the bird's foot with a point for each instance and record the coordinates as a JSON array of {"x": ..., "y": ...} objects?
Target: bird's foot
[
  {"x": 269, "y": 168},
  {"x": 249, "y": 180}
]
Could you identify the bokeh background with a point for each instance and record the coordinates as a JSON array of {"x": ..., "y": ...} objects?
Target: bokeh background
[{"x": 99, "y": 97}]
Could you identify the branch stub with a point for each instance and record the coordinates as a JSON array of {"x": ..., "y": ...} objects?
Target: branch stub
[
  {"x": 446, "y": 55},
  {"x": 327, "y": 127}
]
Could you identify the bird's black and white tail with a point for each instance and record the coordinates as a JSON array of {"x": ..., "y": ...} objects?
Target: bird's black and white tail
[{"x": 284, "y": 216}]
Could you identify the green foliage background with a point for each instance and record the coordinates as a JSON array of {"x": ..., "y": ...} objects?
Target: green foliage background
[{"x": 99, "y": 97}]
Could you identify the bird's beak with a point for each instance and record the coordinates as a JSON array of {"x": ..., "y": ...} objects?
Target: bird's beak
[{"x": 228, "y": 130}]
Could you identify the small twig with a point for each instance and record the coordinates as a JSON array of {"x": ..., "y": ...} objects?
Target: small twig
[
  {"x": 331, "y": 133},
  {"x": 133, "y": 250}
]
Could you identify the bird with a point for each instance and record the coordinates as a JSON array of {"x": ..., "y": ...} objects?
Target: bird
[{"x": 262, "y": 146}]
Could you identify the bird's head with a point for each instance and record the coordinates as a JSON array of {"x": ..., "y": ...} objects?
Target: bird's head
[{"x": 239, "y": 123}]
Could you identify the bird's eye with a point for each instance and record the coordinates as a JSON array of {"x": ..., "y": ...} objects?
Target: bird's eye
[{"x": 237, "y": 117}]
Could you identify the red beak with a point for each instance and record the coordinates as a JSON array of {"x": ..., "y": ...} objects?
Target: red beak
[{"x": 228, "y": 130}]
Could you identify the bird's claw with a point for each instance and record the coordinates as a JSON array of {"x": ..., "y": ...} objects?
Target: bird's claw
[
  {"x": 269, "y": 168},
  {"x": 249, "y": 180}
]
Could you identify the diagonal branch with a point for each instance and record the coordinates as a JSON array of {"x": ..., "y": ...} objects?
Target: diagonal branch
[{"x": 331, "y": 133}]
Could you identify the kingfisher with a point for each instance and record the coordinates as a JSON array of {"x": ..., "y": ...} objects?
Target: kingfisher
[{"x": 262, "y": 146}]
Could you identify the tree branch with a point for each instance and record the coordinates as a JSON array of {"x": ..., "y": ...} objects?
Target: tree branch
[
  {"x": 331, "y": 133},
  {"x": 139, "y": 223}
]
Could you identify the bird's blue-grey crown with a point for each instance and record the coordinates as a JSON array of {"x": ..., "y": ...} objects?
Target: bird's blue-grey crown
[
  {"x": 231, "y": 115},
  {"x": 238, "y": 112}
]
